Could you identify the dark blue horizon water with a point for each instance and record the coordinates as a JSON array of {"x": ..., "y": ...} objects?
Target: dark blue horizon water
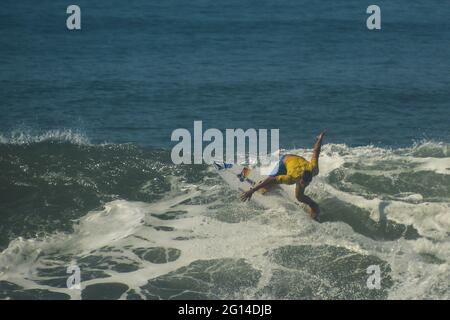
[{"x": 140, "y": 69}]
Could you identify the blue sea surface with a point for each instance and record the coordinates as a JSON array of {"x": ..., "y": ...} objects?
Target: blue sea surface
[{"x": 140, "y": 69}]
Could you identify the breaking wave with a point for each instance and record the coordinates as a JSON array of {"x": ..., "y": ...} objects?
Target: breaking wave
[{"x": 139, "y": 227}]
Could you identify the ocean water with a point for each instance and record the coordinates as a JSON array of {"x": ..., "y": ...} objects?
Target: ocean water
[{"x": 86, "y": 176}]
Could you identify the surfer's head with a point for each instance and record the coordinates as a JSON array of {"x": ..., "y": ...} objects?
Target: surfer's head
[{"x": 306, "y": 178}]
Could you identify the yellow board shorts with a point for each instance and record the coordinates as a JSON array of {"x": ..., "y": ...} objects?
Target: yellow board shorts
[{"x": 291, "y": 167}]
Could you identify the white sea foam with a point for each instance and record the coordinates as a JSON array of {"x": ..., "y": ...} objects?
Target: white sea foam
[
  {"x": 21, "y": 137},
  {"x": 202, "y": 231}
]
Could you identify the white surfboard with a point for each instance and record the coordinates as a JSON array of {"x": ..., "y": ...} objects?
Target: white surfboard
[{"x": 242, "y": 178}]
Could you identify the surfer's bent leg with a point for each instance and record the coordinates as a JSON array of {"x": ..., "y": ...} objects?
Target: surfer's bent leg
[{"x": 280, "y": 168}]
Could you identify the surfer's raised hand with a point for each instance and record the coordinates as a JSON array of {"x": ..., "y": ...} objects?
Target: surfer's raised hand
[
  {"x": 245, "y": 196},
  {"x": 321, "y": 135}
]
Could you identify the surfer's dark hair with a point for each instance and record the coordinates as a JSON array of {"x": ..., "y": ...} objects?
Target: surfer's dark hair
[{"x": 307, "y": 176}]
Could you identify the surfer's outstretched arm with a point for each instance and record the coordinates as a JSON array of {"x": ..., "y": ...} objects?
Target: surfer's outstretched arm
[
  {"x": 300, "y": 195},
  {"x": 316, "y": 150},
  {"x": 266, "y": 183}
]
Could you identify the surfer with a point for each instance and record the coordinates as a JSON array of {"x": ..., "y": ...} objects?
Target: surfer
[{"x": 293, "y": 169}]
